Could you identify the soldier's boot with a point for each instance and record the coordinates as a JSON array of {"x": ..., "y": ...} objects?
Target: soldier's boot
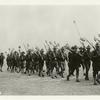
[
  {"x": 62, "y": 74},
  {"x": 68, "y": 78},
  {"x": 39, "y": 74},
  {"x": 73, "y": 74},
  {"x": 29, "y": 73},
  {"x": 7, "y": 68},
  {"x": 95, "y": 83},
  {"x": 98, "y": 81},
  {"x": 1, "y": 69},
  {"x": 84, "y": 74},
  {"x": 86, "y": 78},
  {"x": 77, "y": 80}
]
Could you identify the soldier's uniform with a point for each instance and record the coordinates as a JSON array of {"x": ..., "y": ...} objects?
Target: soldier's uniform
[
  {"x": 96, "y": 62},
  {"x": 53, "y": 61},
  {"x": 47, "y": 60},
  {"x": 1, "y": 61},
  {"x": 61, "y": 61},
  {"x": 29, "y": 63},
  {"x": 8, "y": 62},
  {"x": 87, "y": 61},
  {"x": 81, "y": 52},
  {"x": 41, "y": 61},
  {"x": 74, "y": 61},
  {"x": 22, "y": 61}
]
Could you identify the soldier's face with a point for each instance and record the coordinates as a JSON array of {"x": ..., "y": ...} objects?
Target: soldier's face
[
  {"x": 75, "y": 49},
  {"x": 97, "y": 47}
]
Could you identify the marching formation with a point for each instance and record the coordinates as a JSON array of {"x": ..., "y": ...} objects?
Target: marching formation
[{"x": 54, "y": 57}]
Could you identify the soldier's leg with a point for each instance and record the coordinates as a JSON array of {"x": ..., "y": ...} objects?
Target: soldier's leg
[
  {"x": 98, "y": 78},
  {"x": 70, "y": 68},
  {"x": 1, "y": 66},
  {"x": 40, "y": 69},
  {"x": 77, "y": 74},
  {"x": 87, "y": 70},
  {"x": 47, "y": 69},
  {"x": 71, "y": 72},
  {"x": 62, "y": 69},
  {"x": 94, "y": 77},
  {"x": 7, "y": 67},
  {"x": 12, "y": 68},
  {"x": 84, "y": 68},
  {"x": 58, "y": 66}
]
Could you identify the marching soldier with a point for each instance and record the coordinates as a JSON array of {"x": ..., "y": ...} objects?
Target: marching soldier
[
  {"x": 1, "y": 61},
  {"x": 81, "y": 52},
  {"x": 22, "y": 61},
  {"x": 96, "y": 62},
  {"x": 87, "y": 61},
  {"x": 74, "y": 61},
  {"x": 61, "y": 61},
  {"x": 29, "y": 62},
  {"x": 47, "y": 60},
  {"x": 41, "y": 62}
]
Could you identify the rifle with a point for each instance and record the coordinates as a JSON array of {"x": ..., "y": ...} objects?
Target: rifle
[{"x": 48, "y": 45}]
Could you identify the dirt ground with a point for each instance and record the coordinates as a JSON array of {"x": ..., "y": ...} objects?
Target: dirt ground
[{"x": 18, "y": 84}]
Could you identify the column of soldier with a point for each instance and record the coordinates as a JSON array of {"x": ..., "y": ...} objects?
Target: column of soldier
[{"x": 32, "y": 61}]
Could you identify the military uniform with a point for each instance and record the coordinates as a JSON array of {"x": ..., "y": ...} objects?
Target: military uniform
[
  {"x": 74, "y": 61},
  {"x": 1, "y": 61},
  {"x": 87, "y": 61},
  {"x": 96, "y": 62}
]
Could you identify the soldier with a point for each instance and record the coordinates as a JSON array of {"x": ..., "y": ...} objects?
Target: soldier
[
  {"x": 1, "y": 60},
  {"x": 61, "y": 61},
  {"x": 87, "y": 61},
  {"x": 12, "y": 60},
  {"x": 41, "y": 62},
  {"x": 53, "y": 61},
  {"x": 29, "y": 62},
  {"x": 81, "y": 52},
  {"x": 47, "y": 60},
  {"x": 35, "y": 62},
  {"x": 16, "y": 61},
  {"x": 22, "y": 61},
  {"x": 8, "y": 60},
  {"x": 74, "y": 61},
  {"x": 96, "y": 62}
]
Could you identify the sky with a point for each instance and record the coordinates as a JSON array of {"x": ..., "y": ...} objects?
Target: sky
[{"x": 33, "y": 24}]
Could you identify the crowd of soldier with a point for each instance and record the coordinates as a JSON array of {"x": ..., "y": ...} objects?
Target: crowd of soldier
[{"x": 32, "y": 61}]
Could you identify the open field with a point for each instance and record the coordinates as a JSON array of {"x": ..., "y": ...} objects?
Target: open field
[{"x": 18, "y": 84}]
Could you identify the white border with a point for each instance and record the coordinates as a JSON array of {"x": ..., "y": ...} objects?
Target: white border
[{"x": 49, "y": 2}]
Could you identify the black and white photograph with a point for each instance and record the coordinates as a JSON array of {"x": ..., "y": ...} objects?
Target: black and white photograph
[{"x": 49, "y": 49}]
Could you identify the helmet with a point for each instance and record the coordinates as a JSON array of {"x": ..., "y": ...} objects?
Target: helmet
[
  {"x": 97, "y": 45},
  {"x": 80, "y": 48},
  {"x": 88, "y": 47}
]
